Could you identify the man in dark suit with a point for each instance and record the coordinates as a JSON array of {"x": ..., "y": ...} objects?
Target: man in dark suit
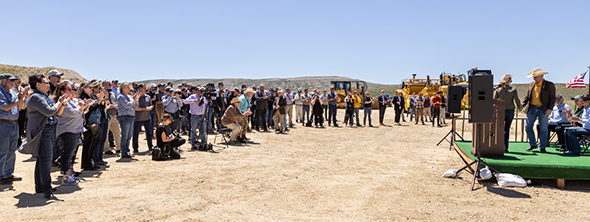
[
  {"x": 538, "y": 103},
  {"x": 382, "y": 106},
  {"x": 398, "y": 106},
  {"x": 261, "y": 108}
]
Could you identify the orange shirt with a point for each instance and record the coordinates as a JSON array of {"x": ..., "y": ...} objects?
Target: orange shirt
[
  {"x": 536, "y": 94},
  {"x": 435, "y": 100}
]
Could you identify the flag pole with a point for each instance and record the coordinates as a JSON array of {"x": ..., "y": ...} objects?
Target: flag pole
[{"x": 588, "y": 73}]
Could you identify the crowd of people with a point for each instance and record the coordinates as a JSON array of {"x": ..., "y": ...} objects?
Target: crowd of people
[{"x": 51, "y": 118}]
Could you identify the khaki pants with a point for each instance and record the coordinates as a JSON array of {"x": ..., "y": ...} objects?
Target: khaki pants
[
  {"x": 289, "y": 110},
  {"x": 279, "y": 121},
  {"x": 443, "y": 114},
  {"x": 419, "y": 115},
  {"x": 298, "y": 112},
  {"x": 236, "y": 130},
  {"x": 244, "y": 125},
  {"x": 426, "y": 114},
  {"x": 116, "y": 129},
  {"x": 159, "y": 113}
]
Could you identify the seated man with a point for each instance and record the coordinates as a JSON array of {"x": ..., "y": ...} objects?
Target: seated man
[
  {"x": 558, "y": 119},
  {"x": 571, "y": 134},
  {"x": 231, "y": 119}
]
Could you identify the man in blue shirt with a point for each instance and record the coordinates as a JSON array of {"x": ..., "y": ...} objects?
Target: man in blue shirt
[
  {"x": 557, "y": 119},
  {"x": 571, "y": 135},
  {"x": 332, "y": 106},
  {"x": 197, "y": 105},
  {"x": 245, "y": 104},
  {"x": 10, "y": 104}
]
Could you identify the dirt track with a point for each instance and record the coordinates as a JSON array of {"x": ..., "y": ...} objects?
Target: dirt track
[{"x": 332, "y": 174}]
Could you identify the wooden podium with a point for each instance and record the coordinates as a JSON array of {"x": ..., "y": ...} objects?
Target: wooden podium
[{"x": 490, "y": 136}]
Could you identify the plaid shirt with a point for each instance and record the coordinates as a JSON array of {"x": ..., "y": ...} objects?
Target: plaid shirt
[{"x": 419, "y": 99}]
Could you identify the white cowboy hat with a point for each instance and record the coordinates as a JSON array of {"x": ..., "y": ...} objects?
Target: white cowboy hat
[{"x": 536, "y": 72}]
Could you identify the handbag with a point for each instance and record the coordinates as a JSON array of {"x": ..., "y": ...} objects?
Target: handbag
[
  {"x": 32, "y": 147},
  {"x": 95, "y": 128}
]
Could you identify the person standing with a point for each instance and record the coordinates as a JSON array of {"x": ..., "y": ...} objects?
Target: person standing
[
  {"x": 279, "y": 113},
  {"x": 324, "y": 98},
  {"x": 412, "y": 106},
  {"x": 10, "y": 104},
  {"x": 357, "y": 106},
  {"x": 289, "y": 107},
  {"x": 436, "y": 101},
  {"x": 420, "y": 108},
  {"x": 368, "y": 102},
  {"x": 382, "y": 100},
  {"x": 349, "y": 110},
  {"x": 42, "y": 122},
  {"x": 398, "y": 106},
  {"x": 332, "y": 106},
  {"x": 99, "y": 94},
  {"x": 270, "y": 112},
  {"x": 198, "y": 105},
  {"x": 142, "y": 118},
  {"x": 538, "y": 104},
  {"x": 244, "y": 106},
  {"x": 126, "y": 104},
  {"x": 70, "y": 124},
  {"x": 298, "y": 106},
  {"x": 443, "y": 108},
  {"x": 261, "y": 107},
  {"x": 54, "y": 79},
  {"x": 158, "y": 100},
  {"x": 318, "y": 109},
  {"x": 172, "y": 103},
  {"x": 91, "y": 123},
  {"x": 427, "y": 108},
  {"x": 509, "y": 95},
  {"x": 305, "y": 102},
  {"x": 114, "y": 133}
]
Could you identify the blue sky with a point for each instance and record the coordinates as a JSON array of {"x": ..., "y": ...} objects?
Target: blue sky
[{"x": 376, "y": 41}]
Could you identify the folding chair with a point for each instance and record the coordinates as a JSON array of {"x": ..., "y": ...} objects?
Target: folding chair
[
  {"x": 225, "y": 134},
  {"x": 584, "y": 144}
]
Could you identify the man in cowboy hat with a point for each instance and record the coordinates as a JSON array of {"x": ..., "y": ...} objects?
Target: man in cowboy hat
[
  {"x": 538, "y": 103},
  {"x": 232, "y": 117}
]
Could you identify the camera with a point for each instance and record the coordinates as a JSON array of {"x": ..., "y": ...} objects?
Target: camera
[{"x": 209, "y": 91}]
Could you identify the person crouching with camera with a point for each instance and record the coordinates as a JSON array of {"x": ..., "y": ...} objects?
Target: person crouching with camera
[
  {"x": 164, "y": 136},
  {"x": 231, "y": 119}
]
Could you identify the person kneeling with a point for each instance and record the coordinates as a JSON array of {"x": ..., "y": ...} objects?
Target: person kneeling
[
  {"x": 165, "y": 138},
  {"x": 231, "y": 117}
]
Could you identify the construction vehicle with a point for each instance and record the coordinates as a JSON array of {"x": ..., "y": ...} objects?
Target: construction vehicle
[
  {"x": 430, "y": 86},
  {"x": 343, "y": 87},
  {"x": 448, "y": 79}
]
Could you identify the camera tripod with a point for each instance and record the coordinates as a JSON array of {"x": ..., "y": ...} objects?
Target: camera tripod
[{"x": 452, "y": 132}]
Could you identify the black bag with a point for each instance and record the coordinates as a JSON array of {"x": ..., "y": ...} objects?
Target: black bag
[
  {"x": 159, "y": 154},
  {"x": 95, "y": 128}
]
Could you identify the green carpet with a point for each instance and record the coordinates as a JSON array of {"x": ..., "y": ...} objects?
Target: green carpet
[{"x": 535, "y": 165}]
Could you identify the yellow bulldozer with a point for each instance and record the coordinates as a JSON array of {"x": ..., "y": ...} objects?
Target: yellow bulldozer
[
  {"x": 430, "y": 86},
  {"x": 343, "y": 87}
]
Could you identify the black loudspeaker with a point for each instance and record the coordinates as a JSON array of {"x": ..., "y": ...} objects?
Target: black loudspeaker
[
  {"x": 454, "y": 97},
  {"x": 481, "y": 98}
]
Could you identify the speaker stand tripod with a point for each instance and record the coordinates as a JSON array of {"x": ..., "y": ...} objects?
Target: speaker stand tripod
[
  {"x": 452, "y": 133},
  {"x": 477, "y": 161}
]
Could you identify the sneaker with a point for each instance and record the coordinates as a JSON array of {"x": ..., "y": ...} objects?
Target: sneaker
[
  {"x": 69, "y": 181},
  {"x": 531, "y": 148},
  {"x": 571, "y": 153},
  {"x": 542, "y": 151}
]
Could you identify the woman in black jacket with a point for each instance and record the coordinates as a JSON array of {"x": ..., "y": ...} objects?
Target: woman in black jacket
[{"x": 91, "y": 123}]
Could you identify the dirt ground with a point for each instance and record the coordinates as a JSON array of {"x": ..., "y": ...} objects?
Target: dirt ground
[{"x": 389, "y": 173}]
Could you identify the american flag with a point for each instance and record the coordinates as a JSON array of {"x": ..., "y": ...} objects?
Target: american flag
[{"x": 577, "y": 82}]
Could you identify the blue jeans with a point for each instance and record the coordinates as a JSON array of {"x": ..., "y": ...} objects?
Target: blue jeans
[
  {"x": 332, "y": 113},
  {"x": 8, "y": 145},
  {"x": 356, "y": 113},
  {"x": 100, "y": 140},
  {"x": 197, "y": 121},
  {"x": 531, "y": 116},
  {"x": 184, "y": 123},
  {"x": 305, "y": 113},
  {"x": 210, "y": 119},
  {"x": 70, "y": 143},
  {"x": 148, "y": 133},
  {"x": 412, "y": 112},
  {"x": 126, "y": 123},
  {"x": 571, "y": 139},
  {"x": 154, "y": 118},
  {"x": 367, "y": 112},
  {"x": 43, "y": 164},
  {"x": 269, "y": 117},
  {"x": 508, "y": 117}
]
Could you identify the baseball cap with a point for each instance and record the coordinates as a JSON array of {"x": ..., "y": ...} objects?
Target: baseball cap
[
  {"x": 54, "y": 73},
  {"x": 576, "y": 97},
  {"x": 7, "y": 76},
  {"x": 559, "y": 96},
  {"x": 169, "y": 90}
]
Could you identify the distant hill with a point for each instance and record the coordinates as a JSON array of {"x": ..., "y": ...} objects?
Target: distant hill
[
  {"x": 24, "y": 72},
  {"x": 310, "y": 82}
]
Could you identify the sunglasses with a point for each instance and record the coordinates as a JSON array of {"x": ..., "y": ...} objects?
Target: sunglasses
[{"x": 67, "y": 89}]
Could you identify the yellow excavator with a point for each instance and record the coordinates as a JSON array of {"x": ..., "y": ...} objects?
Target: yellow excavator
[{"x": 430, "y": 86}]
